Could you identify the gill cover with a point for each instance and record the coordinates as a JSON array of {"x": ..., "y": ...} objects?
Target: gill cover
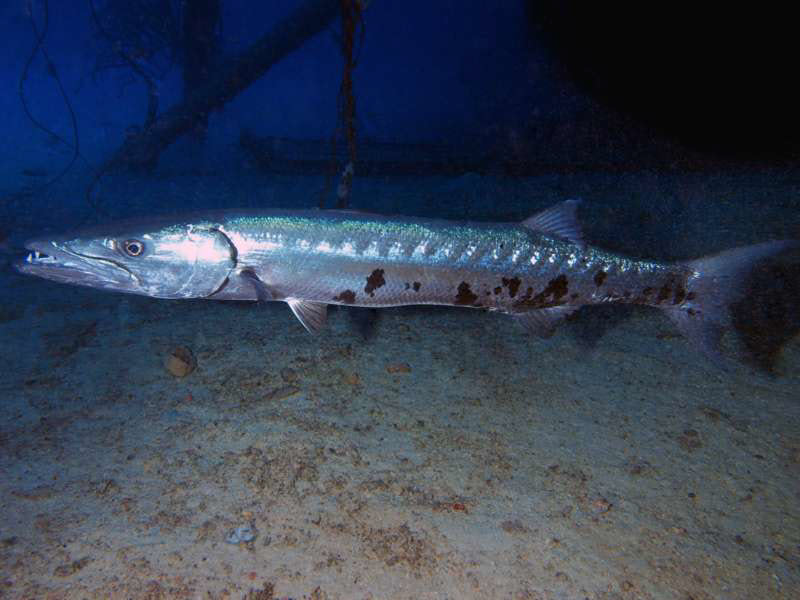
[{"x": 184, "y": 262}]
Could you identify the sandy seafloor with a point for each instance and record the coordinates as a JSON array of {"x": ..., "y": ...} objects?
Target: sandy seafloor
[{"x": 620, "y": 465}]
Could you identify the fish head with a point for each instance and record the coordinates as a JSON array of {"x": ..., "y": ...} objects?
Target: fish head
[{"x": 176, "y": 260}]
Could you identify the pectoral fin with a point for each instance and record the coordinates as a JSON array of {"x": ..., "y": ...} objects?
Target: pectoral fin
[
  {"x": 262, "y": 291},
  {"x": 312, "y": 315}
]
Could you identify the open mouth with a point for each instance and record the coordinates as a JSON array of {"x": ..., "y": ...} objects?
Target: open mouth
[
  {"x": 57, "y": 262},
  {"x": 40, "y": 258},
  {"x": 45, "y": 255}
]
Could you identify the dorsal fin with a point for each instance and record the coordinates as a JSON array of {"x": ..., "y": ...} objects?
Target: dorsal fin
[{"x": 559, "y": 221}]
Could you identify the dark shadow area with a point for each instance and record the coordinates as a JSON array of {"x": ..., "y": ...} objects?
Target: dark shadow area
[
  {"x": 590, "y": 323},
  {"x": 718, "y": 80},
  {"x": 769, "y": 315},
  {"x": 364, "y": 321}
]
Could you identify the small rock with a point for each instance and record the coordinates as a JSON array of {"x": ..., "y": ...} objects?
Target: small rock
[
  {"x": 513, "y": 527},
  {"x": 352, "y": 379},
  {"x": 72, "y": 568},
  {"x": 180, "y": 361},
  {"x": 399, "y": 368},
  {"x": 601, "y": 506},
  {"x": 281, "y": 393},
  {"x": 241, "y": 535},
  {"x": 639, "y": 467},
  {"x": 108, "y": 487},
  {"x": 267, "y": 592},
  {"x": 289, "y": 375},
  {"x": 690, "y": 440}
]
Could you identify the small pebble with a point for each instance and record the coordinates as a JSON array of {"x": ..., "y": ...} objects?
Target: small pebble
[
  {"x": 289, "y": 375},
  {"x": 241, "y": 535},
  {"x": 399, "y": 368},
  {"x": 601, "y": 506},
  {"x": 352, "y": 379},
  {"x": 180, "y": 361},
  {"x": 281, "y": 393}
]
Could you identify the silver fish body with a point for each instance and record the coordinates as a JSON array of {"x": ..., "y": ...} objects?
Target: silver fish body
[
  {"x": 368, "y": 260},
  {"x": 538, "y": 270}
]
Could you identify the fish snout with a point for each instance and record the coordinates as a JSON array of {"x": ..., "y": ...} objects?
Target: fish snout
[{"x": 54, "y": 260}]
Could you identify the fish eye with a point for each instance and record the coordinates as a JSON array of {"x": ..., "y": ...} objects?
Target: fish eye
[{"x": 133, "y": 247}]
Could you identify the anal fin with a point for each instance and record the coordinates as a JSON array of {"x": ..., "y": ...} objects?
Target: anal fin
[{"x": 703, "y": 334}]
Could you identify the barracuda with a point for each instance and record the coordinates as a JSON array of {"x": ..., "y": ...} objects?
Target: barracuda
[{"x": 538, "y": 271}]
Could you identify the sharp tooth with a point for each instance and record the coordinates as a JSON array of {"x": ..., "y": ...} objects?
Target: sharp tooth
[
  {"x": 37, "y": 255},
  {"x": 29, "y": 258}
]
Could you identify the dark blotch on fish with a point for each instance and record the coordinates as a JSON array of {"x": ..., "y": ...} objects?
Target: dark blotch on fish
[
  {"x": 664, "y": 292},
  {"x": 599, "y": 278},
  {"x": 512, "y": 285},
  {"x": 374, "y": 281},
  {"x": 557, "y": 287},
  {"x": 552, "y": 295},
  {"x": 417, "y": 285},
  {"x": 644, "y": 296},
  {"x": 465, "y": 296},
  {"x": 347, "y": 296},
  {"x": 497, "y": 290}
]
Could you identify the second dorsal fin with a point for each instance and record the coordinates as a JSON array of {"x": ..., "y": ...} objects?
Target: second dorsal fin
[{"x": 559, "y": 221}]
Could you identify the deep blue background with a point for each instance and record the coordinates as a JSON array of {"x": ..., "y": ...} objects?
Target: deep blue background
[
  {"x": 515, "y": 76},
  {"x": 428, "y": 70}
]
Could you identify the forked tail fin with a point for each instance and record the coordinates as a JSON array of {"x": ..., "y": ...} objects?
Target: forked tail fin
[{"x": 715, "y": 282}]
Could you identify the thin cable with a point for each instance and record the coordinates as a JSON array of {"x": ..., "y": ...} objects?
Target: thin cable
[{"x": 51, "y": 69}]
